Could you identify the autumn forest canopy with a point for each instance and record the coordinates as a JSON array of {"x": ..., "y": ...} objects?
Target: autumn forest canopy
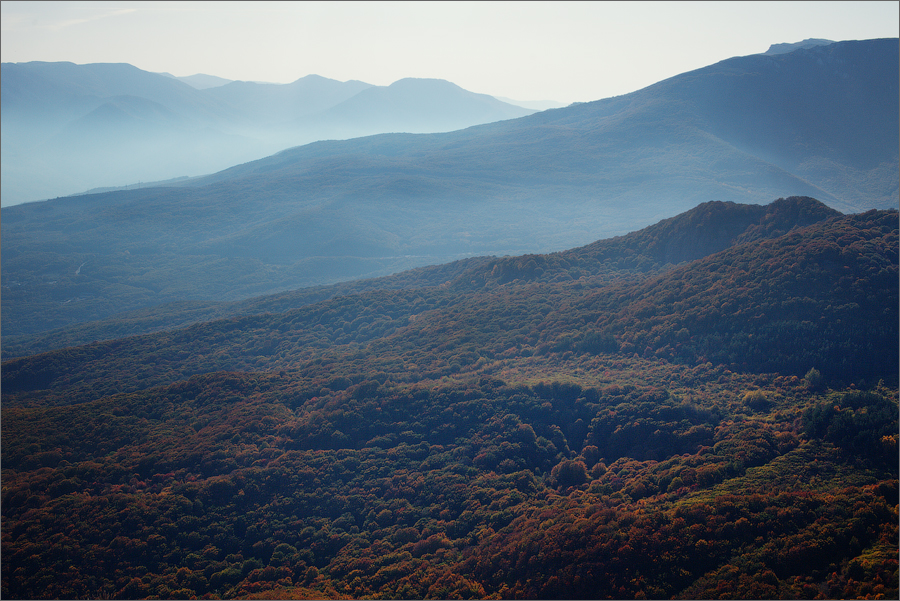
[{"x": 703, "y": 408}]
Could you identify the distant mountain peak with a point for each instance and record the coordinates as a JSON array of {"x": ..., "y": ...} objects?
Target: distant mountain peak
[
  {"x": 312, "y": 77},
  {"x": 787, "y": 47},
  {"x": 420, "y": 82},
  {"x": 201, "y": 81},
  {"x": 538, "y": 105}
]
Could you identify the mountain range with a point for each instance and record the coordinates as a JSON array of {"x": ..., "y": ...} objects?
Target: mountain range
[
  {"x": 613, "y": 350},
  {"x": 202, "y": 81},
  {"x": 68, "y": 128},
  {"x": 818, "y": 121}
]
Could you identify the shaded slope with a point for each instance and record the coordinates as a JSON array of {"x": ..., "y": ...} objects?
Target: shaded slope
[
  {"x": 708, "y": 228},
  {"x": 830, "y": 287},
  {"x": 181, "y": 314},
  {"x": 824, "y": 296}
]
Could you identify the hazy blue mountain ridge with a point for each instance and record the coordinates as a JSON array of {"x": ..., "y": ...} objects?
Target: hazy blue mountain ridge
[
  {"x": 822, "y": 118},
  {"x": 337, "y": 210},
  {"x": 64, "y": 89},
  {"x": 62, "y": 129},
  {"x": 808, "y": 126},
  {"x": 201, "y": 81},
  {"x": 414, "y": 106},
  {"x": 61, "y": 136},
  {"x": 277, "y": 103}
]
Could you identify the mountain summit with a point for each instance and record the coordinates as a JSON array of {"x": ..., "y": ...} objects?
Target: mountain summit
[{"x": 807, "y": 43}]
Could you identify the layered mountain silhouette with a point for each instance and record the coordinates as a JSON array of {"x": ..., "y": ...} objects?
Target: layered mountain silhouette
[
  {"x": 819, "y": 122},
  {"x": 66, "y": 130}
]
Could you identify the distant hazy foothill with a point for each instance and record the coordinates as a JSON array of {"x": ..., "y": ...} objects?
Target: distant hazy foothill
[
  {"x": 69, "y": 128},
  {"x": 201, "y": 81},
  {"x": 820, "y": 122}
]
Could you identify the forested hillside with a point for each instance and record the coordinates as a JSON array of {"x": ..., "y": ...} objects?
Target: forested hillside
[
  {"x": 704, "y": 408},
  {"x": 612, "y": 294},
  {"x": 694, "y": 234}
]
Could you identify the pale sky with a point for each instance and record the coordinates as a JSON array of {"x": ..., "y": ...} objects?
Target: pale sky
[{"x": 563, "y": 51}]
